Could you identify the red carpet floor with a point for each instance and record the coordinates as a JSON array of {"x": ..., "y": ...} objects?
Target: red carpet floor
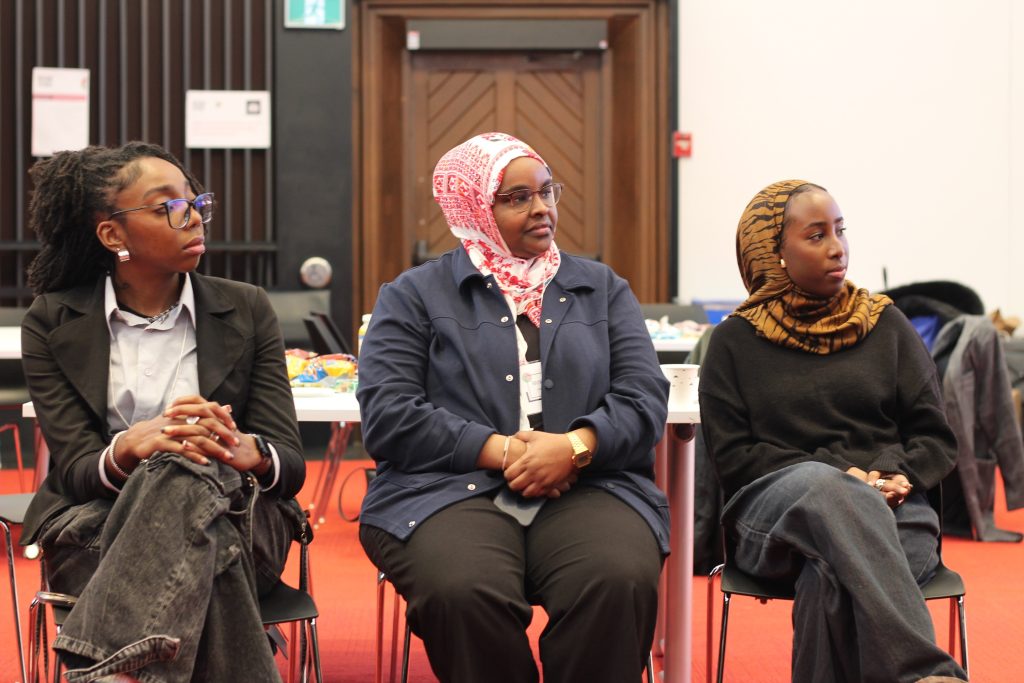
[{"x": 344, "y": 585}]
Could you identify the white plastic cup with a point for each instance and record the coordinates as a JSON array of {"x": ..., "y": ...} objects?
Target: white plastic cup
[{"x": 682, "y": 393}]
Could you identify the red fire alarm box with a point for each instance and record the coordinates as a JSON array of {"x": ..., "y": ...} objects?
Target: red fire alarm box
[{"x": 682, "y": 144}]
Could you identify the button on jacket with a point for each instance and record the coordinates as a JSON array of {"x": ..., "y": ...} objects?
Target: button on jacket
[{"x": 438, "y": 374}]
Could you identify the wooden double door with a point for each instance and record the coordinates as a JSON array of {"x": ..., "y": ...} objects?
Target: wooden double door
[{"x": 596, "y": 116}]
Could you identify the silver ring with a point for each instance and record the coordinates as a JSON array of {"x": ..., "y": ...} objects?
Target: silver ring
[
  {"x": 191, "y": 419},
  {"x": 214, "y": 436},
  {"x": 879, "y": 483}
]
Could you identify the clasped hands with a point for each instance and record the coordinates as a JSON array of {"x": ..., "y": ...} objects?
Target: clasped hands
[
  {"x": 539, "y": 464},
  {"x": 194, "y": 428},
  {"x": 893, "y": 485}
]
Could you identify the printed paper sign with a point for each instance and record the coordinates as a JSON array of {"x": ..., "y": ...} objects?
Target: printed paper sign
[
  {"x": 227, "y": 119},
  {"x": 60, "y": 110}
]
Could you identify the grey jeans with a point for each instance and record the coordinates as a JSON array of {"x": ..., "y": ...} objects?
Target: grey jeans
[
  {"x": 859, "y": 615},
  {"x": 168, "y": 575}
]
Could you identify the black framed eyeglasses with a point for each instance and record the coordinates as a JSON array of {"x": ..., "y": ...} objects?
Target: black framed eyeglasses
[
  {"x": 179, "y": 211},
  {"x": 522, "y": 200}
]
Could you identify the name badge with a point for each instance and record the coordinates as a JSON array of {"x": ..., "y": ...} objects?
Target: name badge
[{"x": 530, "y": 375}]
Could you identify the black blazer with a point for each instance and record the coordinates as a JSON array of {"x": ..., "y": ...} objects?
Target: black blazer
[{"x": 65, "y": 346}]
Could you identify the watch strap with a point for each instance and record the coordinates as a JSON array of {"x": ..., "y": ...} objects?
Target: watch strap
[{"x": 262, "y": 446}]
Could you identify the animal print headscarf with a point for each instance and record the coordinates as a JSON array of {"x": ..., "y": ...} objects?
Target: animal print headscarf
[
  {"x": 776, "y": 307},
  {"x": 465, "y": 180}
]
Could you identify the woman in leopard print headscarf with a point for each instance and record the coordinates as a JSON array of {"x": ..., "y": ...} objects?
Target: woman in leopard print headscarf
[
  {"x": 777, "y": 307},
  {"x": 821, "y": 412}
]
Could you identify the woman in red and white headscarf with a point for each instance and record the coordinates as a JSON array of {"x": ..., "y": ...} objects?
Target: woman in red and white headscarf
[{"x": 511, "y": 397}]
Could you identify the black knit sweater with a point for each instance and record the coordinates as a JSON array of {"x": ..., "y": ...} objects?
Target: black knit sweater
[{"x": 875, "y": 405}]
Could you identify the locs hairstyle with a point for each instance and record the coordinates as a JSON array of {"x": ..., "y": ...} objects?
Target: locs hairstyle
[{"x": 73, "y": 191}]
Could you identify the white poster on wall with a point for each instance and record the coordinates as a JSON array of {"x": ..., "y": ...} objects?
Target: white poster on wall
[
  {"x": 60, "y": 110},
  {"x": 227, "y": 119}
]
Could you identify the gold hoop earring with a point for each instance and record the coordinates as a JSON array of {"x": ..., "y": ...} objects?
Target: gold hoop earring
[{"x": 123, "y": 255}]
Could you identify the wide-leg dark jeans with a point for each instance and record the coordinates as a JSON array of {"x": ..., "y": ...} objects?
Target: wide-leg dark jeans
[{"x": 859, "y": 615}]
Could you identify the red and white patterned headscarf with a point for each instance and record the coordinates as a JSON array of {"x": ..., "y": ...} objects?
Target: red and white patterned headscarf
[{"x": 465, "y": 180}]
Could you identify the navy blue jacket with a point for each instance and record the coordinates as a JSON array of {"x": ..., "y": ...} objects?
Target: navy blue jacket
[{"x": 439, "y": 373}]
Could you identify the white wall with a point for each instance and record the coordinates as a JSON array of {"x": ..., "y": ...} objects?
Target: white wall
[{"x": 908, "y": 111}]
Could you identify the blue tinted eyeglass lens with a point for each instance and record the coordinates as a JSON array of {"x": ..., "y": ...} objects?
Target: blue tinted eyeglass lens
[
  {"x": 204, "y": 204},
  {"x": 179, "y": 210}
]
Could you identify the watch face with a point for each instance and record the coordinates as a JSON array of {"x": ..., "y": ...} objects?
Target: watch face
[{"x": 582, "y": 459}]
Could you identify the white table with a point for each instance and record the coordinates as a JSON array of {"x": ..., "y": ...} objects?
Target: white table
[
  {"x": 10, "y": 342},
  {"x": 10, "y": 345},
  {"x": 675, "y": 474},
  {"x": 681, "y": 344}
]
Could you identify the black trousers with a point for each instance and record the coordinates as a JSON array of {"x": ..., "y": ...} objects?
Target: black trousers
[{"x": 470, "y": 574}]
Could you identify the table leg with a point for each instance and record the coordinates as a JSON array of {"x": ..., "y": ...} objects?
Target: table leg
[
  {"x": 678, "y": 662},
  {"x": 340, "y": 433},
  {"x": 661, "y": 479}
]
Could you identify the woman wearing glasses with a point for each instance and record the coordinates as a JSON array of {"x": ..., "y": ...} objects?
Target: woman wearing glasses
[
  {"x": 164, "y": 399},
  {"x": 511, "y": 397}
]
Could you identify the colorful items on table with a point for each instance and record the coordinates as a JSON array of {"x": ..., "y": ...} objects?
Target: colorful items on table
[{"x": 338, "y": 371}]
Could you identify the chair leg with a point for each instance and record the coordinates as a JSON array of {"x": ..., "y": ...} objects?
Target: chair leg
[
  {"x": 405, "y": 653},
  {"x": 33, "y": 635},
  {"x": 314, "y": 650},
  {"x": 303, "y": 662},
  {"x": 378, "y": 676},
  {"x": 709, "y": 640},
  {"x": 14, "y": 597},
  {"x": 726, "y": 599},
  {"x": 39, "y": 645},
  {"x": 395, "y": 615},
  {"x": 650, "y": 667},
  {"x": 963, "y": 633}
]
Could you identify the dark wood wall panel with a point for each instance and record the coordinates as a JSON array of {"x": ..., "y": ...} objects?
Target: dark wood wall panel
[{"x": 143, "y": 55}]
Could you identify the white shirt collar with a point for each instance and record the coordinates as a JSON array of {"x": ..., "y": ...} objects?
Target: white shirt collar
[{"x": 110, "y": 308}]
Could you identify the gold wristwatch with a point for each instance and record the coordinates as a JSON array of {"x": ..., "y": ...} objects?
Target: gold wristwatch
[{"x": 581, "y": 455}]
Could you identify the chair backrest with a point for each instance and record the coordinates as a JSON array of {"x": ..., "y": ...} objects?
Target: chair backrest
[
  {"x": 323, "y": 341},
  {"x": 292, "y": 306},
  {"x": 11, "y": 316},
  {"x": 332, "y": 329}
]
